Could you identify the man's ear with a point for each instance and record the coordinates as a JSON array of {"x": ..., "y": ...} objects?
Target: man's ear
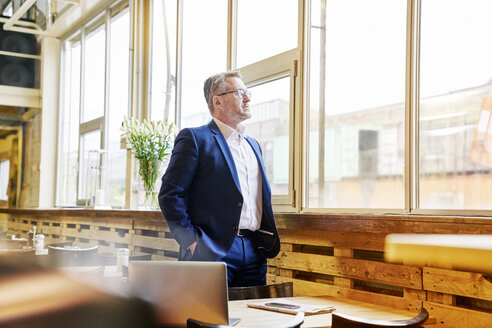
[{"x": 217, "y": 102}]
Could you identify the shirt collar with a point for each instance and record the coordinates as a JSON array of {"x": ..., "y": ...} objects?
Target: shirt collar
[{"x": 228, "y": 131}]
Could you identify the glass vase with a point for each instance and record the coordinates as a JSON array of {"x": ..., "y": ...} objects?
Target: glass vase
[{"x": 149, "y": 171}]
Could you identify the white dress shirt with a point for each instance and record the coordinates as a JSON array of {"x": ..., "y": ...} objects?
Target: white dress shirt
[{"x": 248, "y": 171}]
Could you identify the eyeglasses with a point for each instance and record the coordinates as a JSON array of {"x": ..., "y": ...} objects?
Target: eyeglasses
[{"x": 240, "y": 93}]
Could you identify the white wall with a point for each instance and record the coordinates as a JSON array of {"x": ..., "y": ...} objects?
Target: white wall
[{"x": 50, "y": 72}]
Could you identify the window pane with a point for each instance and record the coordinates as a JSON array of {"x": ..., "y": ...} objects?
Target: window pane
[
  {"x": 69, "y": 141},
  {"x": 118, "y": 107},
  {"x": 455, "y": 105},
  {"x": 163, "y": 60},
  {"x": 94, "y": 75},
  {"x": 265, "y": 29},
  {"x": 90, "y": 145},
  {"x": 269, "y": 124},
  {"x": 357, "y": 94},
  {"x": 204, "y": 54},
  {"x": 4, "y": 179}
]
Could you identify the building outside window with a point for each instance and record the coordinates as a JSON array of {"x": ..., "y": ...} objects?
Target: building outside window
[
  {"x": 358, "y": 75},
  {"x": 356, "y": 101},
  {"x": 455, "y": 137}
]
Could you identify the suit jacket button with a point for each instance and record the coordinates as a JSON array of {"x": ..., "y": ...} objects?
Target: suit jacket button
[{"x": 239, "y": 204}]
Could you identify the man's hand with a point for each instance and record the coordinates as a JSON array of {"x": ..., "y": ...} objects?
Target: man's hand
[{"x": 192, "y": 248}]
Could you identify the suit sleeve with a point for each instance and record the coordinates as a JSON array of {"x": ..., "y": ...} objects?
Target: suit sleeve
[{"x": 175, "y": 187}]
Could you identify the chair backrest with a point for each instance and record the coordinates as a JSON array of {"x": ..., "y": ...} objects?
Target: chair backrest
[
  {"x": 68, "y": 256},
  {"x": 295, "y": 322},
  {"x": 284, "y": 289},
  {"x": 60, "y": 244},
  {"x": 339, "y": 320}
]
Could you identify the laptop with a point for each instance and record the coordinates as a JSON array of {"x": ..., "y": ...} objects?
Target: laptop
[{"x": 182, "y": 289}]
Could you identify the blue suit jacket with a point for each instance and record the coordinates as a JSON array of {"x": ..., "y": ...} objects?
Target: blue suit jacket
[{"x": 201, "y": 198}]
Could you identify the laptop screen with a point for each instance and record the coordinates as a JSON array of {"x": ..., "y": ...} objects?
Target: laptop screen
[{"x": 182, "y": 290}]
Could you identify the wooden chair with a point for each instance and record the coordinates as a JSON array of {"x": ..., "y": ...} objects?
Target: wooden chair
[
  {"x": 339, "y": 320},
  {"x": 284, "y": 289},
  {"x": 295, "y": 322},
  {"x": 60, "y": 244},
  {"x": 67, "y": 256}
]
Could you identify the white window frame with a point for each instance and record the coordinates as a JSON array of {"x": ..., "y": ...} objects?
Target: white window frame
[{"x": 78, "y": 34}]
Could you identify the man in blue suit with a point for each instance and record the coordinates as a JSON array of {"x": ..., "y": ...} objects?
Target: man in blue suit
[{"x": 215, "y": 194}]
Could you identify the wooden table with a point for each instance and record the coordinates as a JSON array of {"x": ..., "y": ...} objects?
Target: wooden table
[
  {"x": 462, "y": 252},
  {"x": 106, "y": 277},
  {"x": 256, "y": 317}
]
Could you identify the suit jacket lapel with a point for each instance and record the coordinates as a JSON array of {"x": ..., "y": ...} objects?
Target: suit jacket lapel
[{"x": 224, "y": 147}]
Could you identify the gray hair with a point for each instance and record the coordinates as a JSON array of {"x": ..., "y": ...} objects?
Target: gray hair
[{"x": 214, "y": 83}]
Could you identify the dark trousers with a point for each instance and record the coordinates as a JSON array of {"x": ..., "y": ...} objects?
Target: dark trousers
[{"x": 245, "y": 266}]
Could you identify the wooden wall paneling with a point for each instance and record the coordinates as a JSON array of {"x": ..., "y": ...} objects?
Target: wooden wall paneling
[
  {"x": 384, "y": 224},
  {"x": 52, "y": 228},
  {"x": 106, "y": 250},
  {"x": 453, "y": 317},
  {"x": 461, "y": 283},
  {"x": 342, "y": 281},
  {"x": 323, "y": 254},
  {"x": 110, "y": 235},
  {"x": 153, "y": 225},
  {"x": 4, "y": 226},
  {"x": 272, "y": 272},
  {"x": 156, "y": 243},
  {"x": 73, "y": 230},
  {"x": 415, "y": 294},
  {"x": 440, "y": 298},
  {"x": 357, "y": 240},
  {"x": 285, "y": 272},
  {"x": 392, "y": 274},
  {"x": 154, "y": 237},
  {"x": 24, "y": 225}
]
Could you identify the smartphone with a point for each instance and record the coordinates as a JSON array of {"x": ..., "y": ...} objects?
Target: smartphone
[{"x": 283, "y": 305}]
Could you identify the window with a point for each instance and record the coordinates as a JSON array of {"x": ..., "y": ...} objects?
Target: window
[
  {"x": 356, "y": 104},
  {"x": 455, "y": 137},
  {"x": 163, "y": 71},
  {"x": 270, "y": 71},
  {"x": 265, "y": 32},
  {"x": 94, "y": 102},
  {"x": 4, "y": 179},
  {"x": 94, "y": 74},
  {"x": 69, "y": 131},
  {"x": 368, "y": 107},
  {"x": 189, "y": 42},
  {"x": 204, "y": 53},
  {"x": 90, "y": 145},
  {"x": 269, "y": 124},
  {"x": 374, "y": 142},
  {"x": 113, "y": 178}
]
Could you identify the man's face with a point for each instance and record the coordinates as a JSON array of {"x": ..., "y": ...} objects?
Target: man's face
[{"x": 232, "y": 108}]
